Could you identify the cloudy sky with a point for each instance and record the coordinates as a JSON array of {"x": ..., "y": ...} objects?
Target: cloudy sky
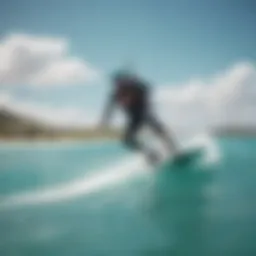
[{"x": 55, "y": 57}]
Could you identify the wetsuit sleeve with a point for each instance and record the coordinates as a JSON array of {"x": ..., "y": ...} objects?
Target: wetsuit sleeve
[{"x": 109, "y": 107}]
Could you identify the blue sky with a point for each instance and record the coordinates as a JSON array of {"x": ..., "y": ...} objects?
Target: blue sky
[{"x": 168, "y": 41}]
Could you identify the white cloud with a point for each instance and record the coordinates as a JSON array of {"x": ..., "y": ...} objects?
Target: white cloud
[
  {"x": 68, "y": 116},
  {"x": 226, "y": 98},
  {"x": 4, "y": 98},
  {"x": 31, "y": 60}
]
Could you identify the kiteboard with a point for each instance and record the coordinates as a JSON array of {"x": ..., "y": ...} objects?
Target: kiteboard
[{"x": 185, "y": 158}]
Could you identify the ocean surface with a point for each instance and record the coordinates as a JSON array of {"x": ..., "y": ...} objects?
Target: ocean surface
[{"x": 95, "y": 198}]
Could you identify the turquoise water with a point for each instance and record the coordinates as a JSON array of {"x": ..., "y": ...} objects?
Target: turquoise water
[{"x": 73, "y": 199}]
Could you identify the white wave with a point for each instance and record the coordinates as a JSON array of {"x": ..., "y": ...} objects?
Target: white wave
[
  {"x": 88, "y": 184},
  {"x": 208, "y": 144},
  {"x": 203, "y": 141}
]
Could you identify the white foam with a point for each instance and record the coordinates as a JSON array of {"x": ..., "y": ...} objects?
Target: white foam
[
  {"x": 205, "y": 141},
  {"x": 88, "y": 184}
]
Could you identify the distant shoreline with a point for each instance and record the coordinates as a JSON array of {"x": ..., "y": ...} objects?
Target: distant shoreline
[
  {"x": 235, "y": 132},
  {"x": 60, "y": 136},
  {"x": 20, "y": 140},
  {"x": 52, "y": 143},
  {"x": 19, "y": 128}
]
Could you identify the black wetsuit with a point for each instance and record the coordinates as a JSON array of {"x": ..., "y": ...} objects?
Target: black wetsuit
[{"x": 137, "y": 109}]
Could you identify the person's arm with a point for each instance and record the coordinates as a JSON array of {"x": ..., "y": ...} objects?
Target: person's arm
[{"x": 108, "y": 109}]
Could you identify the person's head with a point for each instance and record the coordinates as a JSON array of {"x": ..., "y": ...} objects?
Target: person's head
[{"x": 121, "y": 77}]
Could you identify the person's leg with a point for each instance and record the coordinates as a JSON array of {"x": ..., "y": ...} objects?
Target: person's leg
[
  {"x": 159, "y": 129},
  {"x": 130, "y": 135},
  {"x": 131, "y": 141}
]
